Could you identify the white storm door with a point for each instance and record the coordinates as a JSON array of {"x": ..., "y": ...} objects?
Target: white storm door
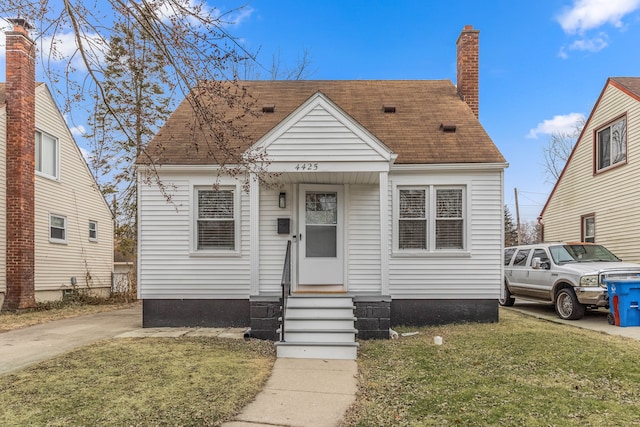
[{"x": 320, "y": 241}]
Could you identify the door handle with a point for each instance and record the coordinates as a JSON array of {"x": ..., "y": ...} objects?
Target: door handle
[{"x": 300, "y": 237}]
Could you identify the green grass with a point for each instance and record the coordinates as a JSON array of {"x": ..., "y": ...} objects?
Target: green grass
[
  {"x": 139, "y": 382},
  {"x": 519, "y": 372}
]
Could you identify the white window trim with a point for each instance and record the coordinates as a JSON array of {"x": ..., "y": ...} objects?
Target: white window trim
[
  {"x": 66, "y": 229},
  {"x": 56, "y": 176},
  {"x": 431, "y": 222},
  {"x": 194, "y": 251},
  {"x": 93, "y": 239}
]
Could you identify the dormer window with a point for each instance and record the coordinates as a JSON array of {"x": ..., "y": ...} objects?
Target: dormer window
[
  {"x": 611, "y": 144},
  {"x": 47, "y": 155}
]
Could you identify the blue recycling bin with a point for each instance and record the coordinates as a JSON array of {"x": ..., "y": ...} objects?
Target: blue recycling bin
[{"x": 624, "y": 295}]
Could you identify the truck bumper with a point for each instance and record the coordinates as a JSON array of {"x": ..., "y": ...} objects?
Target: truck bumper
[{"x": 594, "y": 296}]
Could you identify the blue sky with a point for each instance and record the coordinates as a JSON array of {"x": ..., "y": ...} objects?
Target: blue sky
[{"x": 542, "y": 63}]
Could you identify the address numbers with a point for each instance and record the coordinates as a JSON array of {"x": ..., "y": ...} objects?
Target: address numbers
[{"x": 306, "y": 167}]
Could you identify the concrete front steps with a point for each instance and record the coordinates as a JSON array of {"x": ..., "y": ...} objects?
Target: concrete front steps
[{"x": 319, "y": 327}]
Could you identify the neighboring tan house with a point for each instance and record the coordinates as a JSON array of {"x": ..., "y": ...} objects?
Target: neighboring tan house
[
  {"x": 390, "y": 192},
  {"x": 594, "y": 200},
  {"x": 56, "y": 229}
]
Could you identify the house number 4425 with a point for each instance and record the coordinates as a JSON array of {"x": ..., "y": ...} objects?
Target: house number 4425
[{"x": 307, "y": 167}]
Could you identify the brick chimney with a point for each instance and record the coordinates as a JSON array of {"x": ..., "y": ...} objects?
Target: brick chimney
[
  {"x": 468, "y": 65},
  {"x": 20, "y": 167}
]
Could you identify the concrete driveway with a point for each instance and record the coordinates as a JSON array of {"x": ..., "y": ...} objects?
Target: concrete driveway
[
  {"x": 595, "y": 320},
  {"x": 23, "y": 347}
]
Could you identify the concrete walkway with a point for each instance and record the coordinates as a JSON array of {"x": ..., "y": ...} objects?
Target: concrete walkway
[{"x": 303, "y": 392}]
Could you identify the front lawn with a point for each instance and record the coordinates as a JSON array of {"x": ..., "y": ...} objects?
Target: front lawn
[
  {"x": 139, "y": 382},
  {"x": 519, "y": 372}
]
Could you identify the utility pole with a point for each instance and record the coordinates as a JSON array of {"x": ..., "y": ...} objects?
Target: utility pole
[{"x": 515, "y": 192}]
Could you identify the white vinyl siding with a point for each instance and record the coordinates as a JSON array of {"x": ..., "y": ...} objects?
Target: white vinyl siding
[
  {"x": 273, "y": 245},
  {"x": 605, "y": 194},
  {"x": 363, "y": 227},
  {"x": 473, "y": 273},
  {"x": 170, "y": 266},
  {"x": 322, "y": 135},
  {"x": 75, "y": 196}
]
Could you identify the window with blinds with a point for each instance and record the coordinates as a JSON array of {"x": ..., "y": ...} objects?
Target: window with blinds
[
  {"x": 216, "y": 220},
  {"x": 430, "y": 218},
  {"x": 449, "y": 219},
  {"x": 412, "y": 227}
]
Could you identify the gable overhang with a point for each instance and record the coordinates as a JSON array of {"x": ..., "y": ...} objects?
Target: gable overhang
[
  {"x": 609, "y": 82},
  {"x": 309, "y": 156}
]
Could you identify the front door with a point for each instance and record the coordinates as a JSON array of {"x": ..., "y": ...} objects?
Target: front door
[{"x": 320, "y": 251}]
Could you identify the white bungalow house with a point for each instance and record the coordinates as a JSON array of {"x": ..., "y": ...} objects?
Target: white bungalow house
[
  {"x": 390, "y": 192},
  {"x": 56, "y": 229}
]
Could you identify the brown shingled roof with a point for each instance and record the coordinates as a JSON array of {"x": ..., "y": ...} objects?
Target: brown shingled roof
[
  {"x": 413, "y": 132},
  {"x": 631, "y": 83}
]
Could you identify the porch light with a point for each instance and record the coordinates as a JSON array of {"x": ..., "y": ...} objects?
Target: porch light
[{"x": 282, "y": 200}]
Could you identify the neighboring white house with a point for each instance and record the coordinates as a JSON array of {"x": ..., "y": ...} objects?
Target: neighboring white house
[
  {"x": 391, "y": 193},
  {"x": 72, "y": 223},
  {"x": 594, "y": 198}
]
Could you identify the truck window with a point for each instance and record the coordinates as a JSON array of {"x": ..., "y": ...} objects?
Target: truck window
[
  {"x": 508, "y": 254},
  {"x": 521, "y": 257},
  {"x": 542, "y": 254}
]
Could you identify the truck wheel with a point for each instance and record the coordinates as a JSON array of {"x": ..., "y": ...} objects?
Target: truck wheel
[
  {"x": 567, "y": 305},
  {"x": 508, "y": 300}
]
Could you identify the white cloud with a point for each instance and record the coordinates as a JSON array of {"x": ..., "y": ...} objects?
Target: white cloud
[
  {"x": 586, "y": 15},
  {"x": 561, "y": 124},
  {"x": 63, "y": 47},
  {"x": 595, "y": 44},
  {"x": 78, "y": 130}
]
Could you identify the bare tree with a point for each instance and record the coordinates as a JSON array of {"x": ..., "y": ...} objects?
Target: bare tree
[
  {"x": 529, "y": 232},
  {"x": 190, "y": 39},
  {"x": 558, "y": 149}
]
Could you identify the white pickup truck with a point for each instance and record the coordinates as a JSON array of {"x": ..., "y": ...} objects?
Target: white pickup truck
[{"x": 570, "y": 275}]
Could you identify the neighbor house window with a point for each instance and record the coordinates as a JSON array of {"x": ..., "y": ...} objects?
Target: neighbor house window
[
  {"x": 589, "y": 229},
  {"x": 611, "y": 144},
  {"x": 216, "y": 222},
  {"x": 47, "y": 155},
  {"x": 93, "y": 231},
  {"x": 430, "y": 218},
  {"x": 57, "y": 228}
]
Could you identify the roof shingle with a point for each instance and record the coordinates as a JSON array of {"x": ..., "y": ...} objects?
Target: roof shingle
[{"x": 413, "y": 132}]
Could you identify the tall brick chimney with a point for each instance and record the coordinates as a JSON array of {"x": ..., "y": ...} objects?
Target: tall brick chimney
[
  {"x": 20, "y": 200},
  {"x": 468, "y": 65}
]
